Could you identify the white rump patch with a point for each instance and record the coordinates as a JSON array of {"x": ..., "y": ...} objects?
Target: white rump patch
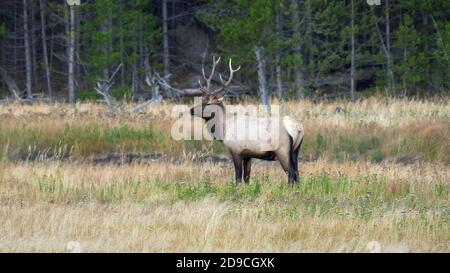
[{"x": 295, "y": 130}]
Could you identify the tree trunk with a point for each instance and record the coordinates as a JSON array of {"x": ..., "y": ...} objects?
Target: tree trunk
[
  {"x": 391, "y": 79},
  {"x": 71, "y": 57},
  {"x": 262, "y": 78},
  {"x": 299, "y": 77},
  {"x": 28, "y": 64},
  {"x": 149, "y": 78},
  {"x": 122, "y": 55},
  {"x": 166, "y": 56},
  {"x": 33, "y": 42},
  {"x": 352, "y": 72},
  {"x": 405, "y": 55},
  {"x": 52, "y": 47},
  {"x": 278, "y": 58},
  {"x": 134, "y": 85},
  {"x": 388, "y": 28},
  {"x": 15, "y": 42},
  {"x": 441, "y": 44},
  {"x": 44, "y": 49},
  {"x": 309, "y": 35},
  {"x": 106, "y": 47},
  {"x": 66, "y": 30},
  {"x": 77, "y": 60},
  {"x": 278, "y": 78},
  {"x": 110, "y": 31}
]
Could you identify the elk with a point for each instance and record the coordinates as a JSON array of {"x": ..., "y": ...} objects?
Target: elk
[{"x": 282, "y": 143}]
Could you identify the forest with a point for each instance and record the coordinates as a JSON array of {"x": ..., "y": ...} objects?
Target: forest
[{"x": 288, "y": 49}]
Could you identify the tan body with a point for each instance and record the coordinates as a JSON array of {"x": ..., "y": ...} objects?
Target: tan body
[{"x": 281, "y": 139}]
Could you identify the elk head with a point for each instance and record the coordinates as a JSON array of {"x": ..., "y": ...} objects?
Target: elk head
[{"x": 214, "y": 97}]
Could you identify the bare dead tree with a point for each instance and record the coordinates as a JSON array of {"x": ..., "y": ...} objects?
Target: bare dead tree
[
  {"x": 155, "y": 82},
  {"x": 104, "y": 87},
  {"x": 10, "y": 83},
  {"x": 174, "y": 91},
  {"x": 151, "y": 79}
]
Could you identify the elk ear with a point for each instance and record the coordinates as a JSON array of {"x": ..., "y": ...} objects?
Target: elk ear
[{"x": 217, "y": 97}]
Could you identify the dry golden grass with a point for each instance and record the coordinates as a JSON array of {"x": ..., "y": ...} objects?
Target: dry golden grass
[
  {"x": 148, "y": 208},
  {"x": 341, "y": 204},
  {"x": 382, "y": 111},
  {"x": 373, "y": 129}
]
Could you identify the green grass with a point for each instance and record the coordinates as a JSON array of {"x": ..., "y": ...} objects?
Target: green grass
[
  {"x": 341, "y": 146},
  {"x": 49, "y": 185},
  {"x": 401, "y": 209},
  {"x": 375, "y": 144},
  {"x": 84, "y": 141},
  {"x": 363, "y": 142},
  {"x": 363, "y": 197}
]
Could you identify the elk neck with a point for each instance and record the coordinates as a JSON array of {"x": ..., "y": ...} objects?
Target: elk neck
[{"x": 218, "y": 123}]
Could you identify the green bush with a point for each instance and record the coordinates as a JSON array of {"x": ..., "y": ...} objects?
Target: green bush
[
  {"x": 122, "y": 93},
  {"x": 87, "y": 95},
  {"x": 376, "y": 156}
]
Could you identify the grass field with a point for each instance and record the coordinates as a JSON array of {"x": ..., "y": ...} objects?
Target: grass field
[{"x": 377, "y": 170}]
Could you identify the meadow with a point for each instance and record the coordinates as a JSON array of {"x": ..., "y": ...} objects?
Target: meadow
[{"x": 372, "y": 170}]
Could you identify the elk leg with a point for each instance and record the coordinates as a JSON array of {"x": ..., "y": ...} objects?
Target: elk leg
[
  {"x": 286, "y": 164},
  {"x": 237, "y": 160},
  {"x": 294, "y": 162},
  {"x": 247, "y": 169},
  {"x": 296, "y": 152}
]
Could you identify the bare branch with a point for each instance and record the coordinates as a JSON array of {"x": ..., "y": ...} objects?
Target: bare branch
[
  {"x": 103, "y": 88},
  {"x": 10, "y": 83},
  {"x": 146, "y": 104}
]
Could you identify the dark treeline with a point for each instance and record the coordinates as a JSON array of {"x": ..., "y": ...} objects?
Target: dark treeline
[{"x": 286, "y": 48}]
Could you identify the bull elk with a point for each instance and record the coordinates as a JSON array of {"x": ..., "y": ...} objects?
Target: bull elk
[{"x": 282, "y": 144}]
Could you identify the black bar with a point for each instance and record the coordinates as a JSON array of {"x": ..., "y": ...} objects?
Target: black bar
[{"x": 222, "y": 262}]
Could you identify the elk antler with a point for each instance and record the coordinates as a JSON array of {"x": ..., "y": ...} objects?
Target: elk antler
[
  {"x": 205, "y": 89},
  {"x": 224, "y": 84}
]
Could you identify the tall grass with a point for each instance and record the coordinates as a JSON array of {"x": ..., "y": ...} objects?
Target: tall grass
[
  {"x": 354, "y": 188},
  {"x": 199, "y": 208},
  {"x": 349, "y": 138}
]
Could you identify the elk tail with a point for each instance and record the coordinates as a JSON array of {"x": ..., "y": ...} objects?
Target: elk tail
[
  {"x": 298, "y": 141},
  {"x": 295, "y": 130}
]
